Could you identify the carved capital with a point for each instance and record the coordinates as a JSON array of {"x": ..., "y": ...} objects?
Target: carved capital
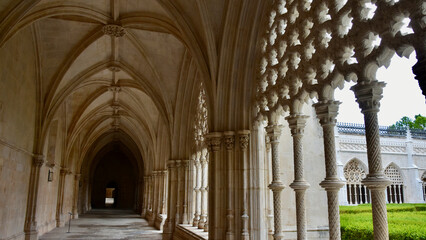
[
  {"x": 244, "y": 137},
  {"x": 368, "y": 95},
  {"x": 170, "y": 164},
  {"x": 327, "y": 112},
  {"x": 297, "y": 124},
  {"x": 51, "y": 164},
  {"x": 113, "y": 30},
  {"x": 273, "y": 132},
  {"x": 229, "y": 140},
  {"x": 38, "y": 160},
  {"x": 214, "y": 141},
  {"x": 64, "y": 171},
  {"x": 185, "y": 163}
]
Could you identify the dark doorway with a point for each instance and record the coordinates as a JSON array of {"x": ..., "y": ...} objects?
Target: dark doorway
[{"x": 114, "y": 182}]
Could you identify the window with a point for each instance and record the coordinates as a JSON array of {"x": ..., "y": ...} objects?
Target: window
[
  {"x": 394, "y": 192},
  {"x": 357, "y": 193}
]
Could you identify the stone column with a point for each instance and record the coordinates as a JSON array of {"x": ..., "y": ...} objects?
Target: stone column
[
  {"x": 75, "y": 200},
  {"x": 31, "y": 230},
  {"x": 150, "y": 193},
  {"x": 299, "y": 185},
  {"x": 274, "y": 133},
  {"x": 145, "y": 197},
  {"x": 185, "y": 165},
  {"x": 154, "y": 200},
  {"x": 229, "y": 144},
  {"x": 244, "y": 141},
  {"x": 169, "y": 225},
  {"x": 327, "y": 112},
  {"x": 269, "y": 200},
  {"x": 60, "y": 201},
  {"x": 197, "y": 190},
  {"x": 214, "y": 177},
  {"x": 164, "y": 190},
  {"x": 368, "y": 95},
  {"x": 203, "y": 189},
  {"x": 178, "y": 189}
]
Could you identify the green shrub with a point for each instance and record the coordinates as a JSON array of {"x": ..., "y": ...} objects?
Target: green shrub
[{"x": 406, "y": 221}]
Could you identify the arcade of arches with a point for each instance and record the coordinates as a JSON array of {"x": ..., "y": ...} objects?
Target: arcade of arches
[{"x": 193, "y": 113}]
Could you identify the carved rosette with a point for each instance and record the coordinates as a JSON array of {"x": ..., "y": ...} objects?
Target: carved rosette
[{"x": 114, "y": 30}]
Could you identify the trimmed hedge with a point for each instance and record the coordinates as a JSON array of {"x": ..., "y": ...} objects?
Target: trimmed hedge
[{"x": 406, "y": 221}]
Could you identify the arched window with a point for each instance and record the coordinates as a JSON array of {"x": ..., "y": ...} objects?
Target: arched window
[
  {"x": 357, "y": 193},
  {"x": 394, "y": 192}
]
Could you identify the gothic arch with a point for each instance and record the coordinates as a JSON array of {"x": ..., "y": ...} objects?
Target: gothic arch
[
  {"x": 395, "y": 192},
  {"x": 355, "y": 171}
]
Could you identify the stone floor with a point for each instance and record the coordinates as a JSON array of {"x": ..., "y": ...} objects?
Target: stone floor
[{"x": 106, "y": 224}]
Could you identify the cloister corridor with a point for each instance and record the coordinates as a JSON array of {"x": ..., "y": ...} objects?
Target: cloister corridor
[{"x": 106, "y": 224}]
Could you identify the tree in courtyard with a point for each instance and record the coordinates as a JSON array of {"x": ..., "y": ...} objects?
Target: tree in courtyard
[{"x": 419, "y": 122}]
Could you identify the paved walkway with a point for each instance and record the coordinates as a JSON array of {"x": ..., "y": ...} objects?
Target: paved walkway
[{"x": 106, "y": 224}]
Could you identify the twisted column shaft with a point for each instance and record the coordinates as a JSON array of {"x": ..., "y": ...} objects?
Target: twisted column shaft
[
  {"x": 368, "y": 95},
  {"x": 327, "y": 112},
  {"x": 297, "y": 125},
  {"x": 274, "y": 132}
]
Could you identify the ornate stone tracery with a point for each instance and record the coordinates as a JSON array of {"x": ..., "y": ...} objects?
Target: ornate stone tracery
[
  {"x": 200, "y": 130},
  {"x": 312, "y": 47},
  {"x": 114, "y": 30}
]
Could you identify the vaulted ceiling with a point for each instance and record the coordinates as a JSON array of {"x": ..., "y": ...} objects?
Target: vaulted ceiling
[{"x": 120, "y": 69}]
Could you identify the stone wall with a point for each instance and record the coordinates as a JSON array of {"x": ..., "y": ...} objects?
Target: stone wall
[{"x": 17, "y": 123}]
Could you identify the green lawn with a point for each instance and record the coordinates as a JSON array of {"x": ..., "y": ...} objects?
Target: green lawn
[{"x": 406, "y": 221}]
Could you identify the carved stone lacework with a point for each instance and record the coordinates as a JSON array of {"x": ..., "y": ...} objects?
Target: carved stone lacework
[
  {"x": 310, "y": 47},
  {"x": 393, "y": 174},
  {"x": 354, "y": 172},
  {"x": 200, "y": 130},
  {"x": 395, "y": 192}
]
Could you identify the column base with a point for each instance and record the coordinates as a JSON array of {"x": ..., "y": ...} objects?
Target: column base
[
  {"x": 376, "y": 181},
  {"x": 299, "y": 185},
  {"x": 332, "y": 184},
  {"x": 278, "y": 236},
  {"x": 31, "y": 231}
]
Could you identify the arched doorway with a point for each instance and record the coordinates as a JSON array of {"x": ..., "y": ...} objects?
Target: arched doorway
[{"x": 114, "y": 181}]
